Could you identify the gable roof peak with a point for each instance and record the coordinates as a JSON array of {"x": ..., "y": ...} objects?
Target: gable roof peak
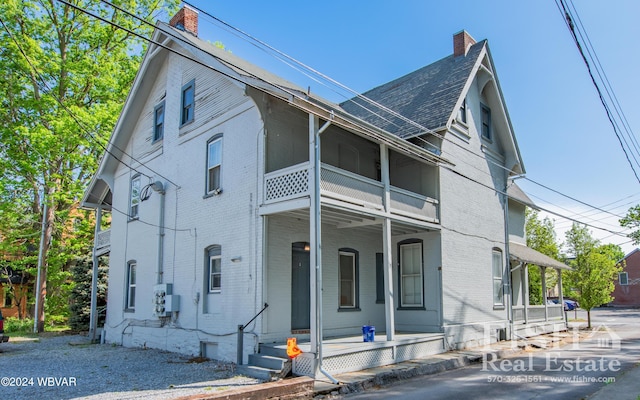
[{"x": 462, "y": 41}]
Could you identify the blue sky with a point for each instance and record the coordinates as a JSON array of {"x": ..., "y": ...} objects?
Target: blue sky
[{"x": 564, "y": 136}]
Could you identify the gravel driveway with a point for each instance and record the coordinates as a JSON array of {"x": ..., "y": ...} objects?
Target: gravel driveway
[{"x": 67, "y": 367}]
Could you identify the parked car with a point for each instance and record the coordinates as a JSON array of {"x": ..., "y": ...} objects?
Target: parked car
[
  {"x": 3, "y": 337},
  {"x": 569, "y": 305}
]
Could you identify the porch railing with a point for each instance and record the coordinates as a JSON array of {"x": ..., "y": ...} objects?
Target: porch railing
[
  {"x": 352, "y": 188},
  {"x": 536, "y": 313},
  {"x": 404, "y": 202},
  {"x": 293, "y": 182}
]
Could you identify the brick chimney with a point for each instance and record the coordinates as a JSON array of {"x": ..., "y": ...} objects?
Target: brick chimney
[
  {"x": 461, "y": 43},
  {"x": 186, "y": 20}
]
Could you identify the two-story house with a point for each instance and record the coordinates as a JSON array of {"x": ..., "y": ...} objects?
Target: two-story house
[{"x": 230, "y": 188}]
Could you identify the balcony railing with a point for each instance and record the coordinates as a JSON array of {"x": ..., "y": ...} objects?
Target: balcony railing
[
  {"x": 103, "y": 241},
  {"x": 293, "y": 182}
]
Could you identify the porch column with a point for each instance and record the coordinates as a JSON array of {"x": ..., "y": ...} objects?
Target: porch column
[
  {"x": 525, "y": 290},
  {"x": 560, "y": 295},
  {"x": 543, "y": 281},
  {"x": 390, "y": 325},
  {"x": 93, "y": 315},
  {"x": 314, "y": 233}
]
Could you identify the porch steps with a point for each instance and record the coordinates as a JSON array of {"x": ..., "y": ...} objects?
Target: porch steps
[{"x": 268, "y": 366}]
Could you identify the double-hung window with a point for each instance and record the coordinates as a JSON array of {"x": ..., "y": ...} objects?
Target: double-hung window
[
  {"x": 411, "y": 281},
  {"x": 214, "y": 162},
  {"x": 348, "y": 275},
  {"x": 188, "y": 103},
  {"x": 498, "y": 295},
  {"x": 486, "y": 122},
  {"x": 158, "y": 122},
  {"x": 623, "y": 278},
  {"x": 134, "y": 199},
  {"x": 214, "y": 269},
  {"x": 130, "y": 301}
]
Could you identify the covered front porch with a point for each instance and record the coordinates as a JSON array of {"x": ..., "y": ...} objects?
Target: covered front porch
[
  {"x": 351, "y": 353},
  {"x": 532, "y": 319}
]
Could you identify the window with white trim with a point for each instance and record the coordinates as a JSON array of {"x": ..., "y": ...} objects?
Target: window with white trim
[
  {"x": 348, "y": 277},
  {"x": 214, "y": 269},
  {"x": 623, "y": 278},
  {"x": 498, "y": 293},
  {"x": 130, "y": 300},
  {"x": 214, "y": 164},
  {"x": 188, "y": 102},
  {"x": 411, "y": 281},
  {"x": 134, "y": 198}
]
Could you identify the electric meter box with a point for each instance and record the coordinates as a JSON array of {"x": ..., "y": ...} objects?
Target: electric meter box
[{"x": 164, "y": 301}]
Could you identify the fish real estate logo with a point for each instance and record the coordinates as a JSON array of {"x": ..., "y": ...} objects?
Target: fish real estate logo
[{"x": 592, "y": 366}]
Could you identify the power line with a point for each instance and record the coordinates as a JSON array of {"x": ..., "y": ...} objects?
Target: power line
[{"x": 572, "y": 29}]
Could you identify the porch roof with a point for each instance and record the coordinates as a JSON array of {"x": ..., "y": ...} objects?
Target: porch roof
[{"x": 522, "y": 253}]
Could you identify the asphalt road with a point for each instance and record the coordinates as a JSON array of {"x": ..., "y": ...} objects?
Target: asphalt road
[{"x": 573, "y": 371}]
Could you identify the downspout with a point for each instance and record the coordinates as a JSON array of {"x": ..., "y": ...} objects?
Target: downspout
[
  {"x": 159, "y": 187},
  {"x": 318, "y": 247},
  {"x": 509, "y": 289}
]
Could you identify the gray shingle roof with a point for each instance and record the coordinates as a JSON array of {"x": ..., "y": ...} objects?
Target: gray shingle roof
[{"x": 426, "y": 96}]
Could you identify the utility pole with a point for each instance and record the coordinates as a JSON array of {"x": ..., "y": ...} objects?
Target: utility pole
[{"x": 36, "y": 318}]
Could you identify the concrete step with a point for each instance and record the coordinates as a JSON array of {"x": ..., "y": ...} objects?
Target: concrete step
[
  {"x": 271, "y": 362},
  {"x": 269, "y": 350}
]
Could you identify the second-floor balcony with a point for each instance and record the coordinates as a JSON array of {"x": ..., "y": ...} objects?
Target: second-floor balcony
[{"x": 355, "y": 191}]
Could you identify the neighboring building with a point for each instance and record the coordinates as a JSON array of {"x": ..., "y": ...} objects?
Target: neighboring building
[
  {"x": 14, "y": 304},
  {"x": 230, "y": 188},
  {"x": 627, "y": 286}
]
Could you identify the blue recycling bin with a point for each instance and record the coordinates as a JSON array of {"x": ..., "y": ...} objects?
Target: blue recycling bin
[{"x": 368, "y": 333}]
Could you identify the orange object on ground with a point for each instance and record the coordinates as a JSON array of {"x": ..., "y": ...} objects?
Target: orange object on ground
[{"x": 293, "y": 350}]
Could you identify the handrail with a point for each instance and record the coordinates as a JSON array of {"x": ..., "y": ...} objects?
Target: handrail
[{"x": 240, "y": 343}]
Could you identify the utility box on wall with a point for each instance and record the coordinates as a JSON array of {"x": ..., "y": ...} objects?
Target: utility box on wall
[{"x": 164, "y": 301}]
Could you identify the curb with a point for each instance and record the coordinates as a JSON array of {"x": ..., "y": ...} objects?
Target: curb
[{"x": 360, "y": 381}]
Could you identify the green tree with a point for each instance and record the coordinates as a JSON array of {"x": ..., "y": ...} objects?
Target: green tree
[
  {"x": 540, "y": 237},
  {"x": 64, "y": 76},
  {"x": 595, "y": 267},
  {"x": 632, "y": 220},
  {"x": 80, "y": 307}
]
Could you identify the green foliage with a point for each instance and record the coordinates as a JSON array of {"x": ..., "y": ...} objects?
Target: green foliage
[
  {"x": 81, "y": 293},
  {"x": 64, "y": 77},
  {"x": 13, "y": 325},
  {"x": 595, "y": 267},
  {"x": 540, "y": 237},
  {"x": 632, "y": 220}
]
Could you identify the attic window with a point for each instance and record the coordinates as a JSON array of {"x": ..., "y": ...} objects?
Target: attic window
[
  {"x": 486, "y": 122},
  {"x": 462, "y": 112}
]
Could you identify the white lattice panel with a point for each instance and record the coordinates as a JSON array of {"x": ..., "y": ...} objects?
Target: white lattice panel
[
  {"x": 358, "y": 361},
  {"x": 285, "y": 186},
  {"x": 350, "y": 186},
  {"x": 303, "y": 365},
  {"x": 418, "y": 350}
]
